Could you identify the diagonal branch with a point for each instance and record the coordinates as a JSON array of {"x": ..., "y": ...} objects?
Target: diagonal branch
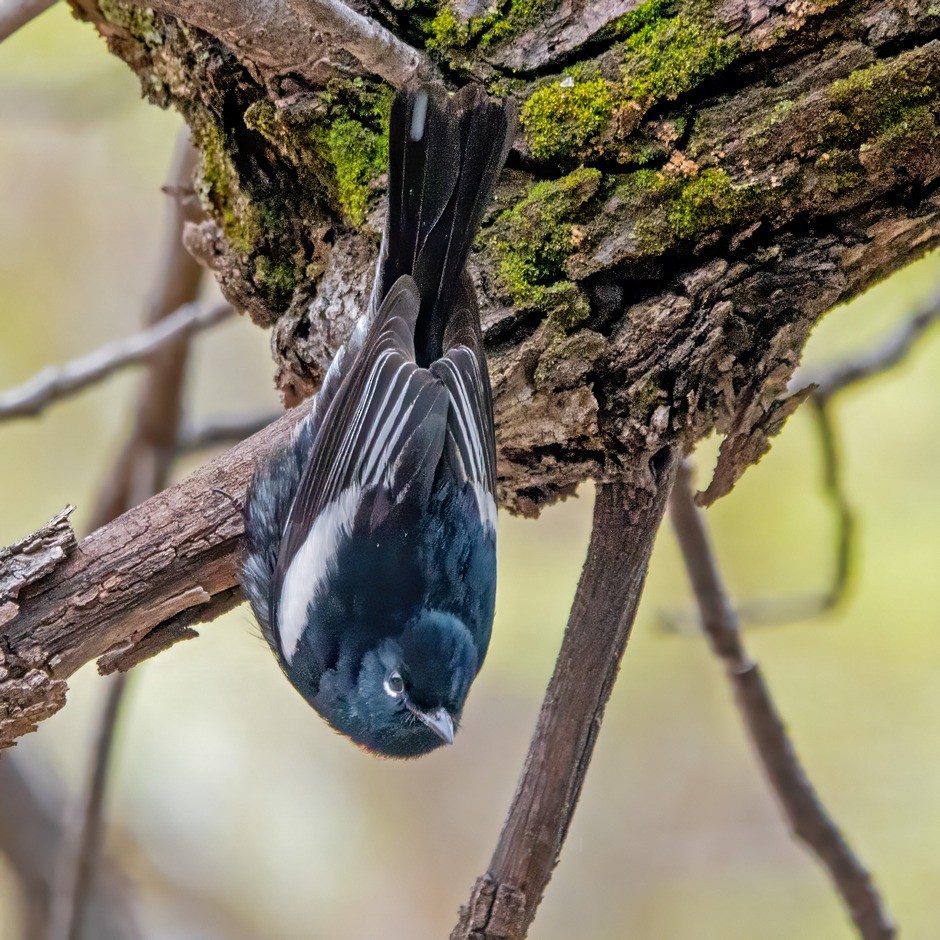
[
  {"x": 288, "y": 35},
  {"x": 222, "y": 430},
  {"x": 172, "y": 554},
  {"x": 809, "y": 819},
  {"x": 887, "y": 354},
  {"x": 58, "y": 382},
  {"x": 504, "y": 901},
  {"x": 825, "y": 385},
  {"x": 14, "y": 14}
]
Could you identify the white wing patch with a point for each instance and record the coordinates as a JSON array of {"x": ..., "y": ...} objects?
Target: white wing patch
[
  {"x": 310, "y": 566},
  {"x": 486, "y": 505}
]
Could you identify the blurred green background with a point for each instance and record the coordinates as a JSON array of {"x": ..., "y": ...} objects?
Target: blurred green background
[{"x": 228, "y": 784}]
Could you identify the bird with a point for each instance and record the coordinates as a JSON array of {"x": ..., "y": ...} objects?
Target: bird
[{"x": 370, "y": 539}]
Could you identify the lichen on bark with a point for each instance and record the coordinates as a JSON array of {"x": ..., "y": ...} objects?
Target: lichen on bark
[{"x": 695, "y": 183}]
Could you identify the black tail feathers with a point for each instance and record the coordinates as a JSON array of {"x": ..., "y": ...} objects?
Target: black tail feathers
[{"x": 445, "y": 153}]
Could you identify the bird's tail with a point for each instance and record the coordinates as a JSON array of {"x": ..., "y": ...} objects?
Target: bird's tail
[{"x": 445, "y": 153}]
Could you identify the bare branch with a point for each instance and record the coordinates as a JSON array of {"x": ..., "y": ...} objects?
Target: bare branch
[
  {"x": 809, "y": 819},
  {"x": 892, "y": 351},
  {"x": 827, "y": 384},
  {"x": 30, "y": 836},
  {"x": 15, "y": 14},
  {"x": 222, "y": 430},
  {"x": 57, "y": 382},
  {"x": 293, "y": 35},
  {"x": 141, "y": 470},
  {"x": 129, "y": 578},
  {"x": 505, "y": 899},
  {"x": 78, "y": 857}
]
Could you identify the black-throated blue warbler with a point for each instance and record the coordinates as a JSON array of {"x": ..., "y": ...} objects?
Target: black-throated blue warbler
[{"x": 371, "y": 539}]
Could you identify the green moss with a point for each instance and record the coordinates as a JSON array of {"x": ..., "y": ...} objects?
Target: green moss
[
  {"x": 838, "y": 171},
  {"x": 665, "y": 209},
  {"x": 877, "y": 97},
  {"x": 559, "y": 121},
  {"x": 276, "y": 278},
  {"x": 706, "y": 202},
  {"x": 534, "y": 239},
  {"x": 519, "y": 16},
  {"x": 667, "y": 58},
  {"x": 139, "y": 21},
  {"x": 644, "y": 15},
  {"x": 261, "y": 116},
  {"x": 646, "y": 399},
  {"x": 221, "y": 191},
  {"x": 447, "y": 32},
  {"x": 357, "y": 155}
]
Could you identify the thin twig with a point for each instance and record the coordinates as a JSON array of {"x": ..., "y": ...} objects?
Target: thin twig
[
  {"x": 57, "y": 382},
  {"x": 141, "y": 470},
  {"x": 31, "y": 816},
  {"x": 14, "y": 14},
  {"x": 889, "y": 352},
  {"x": 505, "y": 899},
  {"x": 77, "y": 862},
  {"x": 806, "y": 814},
  {"x": 221, "y": 431},
  {"x": 885, "y": 355}
]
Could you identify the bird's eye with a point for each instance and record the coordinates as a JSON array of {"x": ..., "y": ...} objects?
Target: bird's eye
[{"x": 394, "y": 685}]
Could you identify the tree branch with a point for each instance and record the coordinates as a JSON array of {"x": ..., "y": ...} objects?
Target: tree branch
[
  {"x": 14, "y": 14},
  {"x": 295, "y": 36},
  {"x": 221, "y": 430},
  {"x": 887, "y": 354},
  {"x": 57, "y": 382},
  {"x": 172, "y": 554},
  {"x": 809, "y": 819},
  {"x": 504, "y": 901}
]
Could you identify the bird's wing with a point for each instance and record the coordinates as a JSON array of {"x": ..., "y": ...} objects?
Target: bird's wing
[
  {"x": 383, "y": 433},
  {"x": 470, "y": 449}
]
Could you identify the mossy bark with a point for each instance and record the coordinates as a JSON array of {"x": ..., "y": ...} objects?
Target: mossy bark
[{"x": 696, "y": 182}]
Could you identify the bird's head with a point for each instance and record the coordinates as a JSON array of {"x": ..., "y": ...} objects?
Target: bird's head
[{"x": 410, "y": 691}]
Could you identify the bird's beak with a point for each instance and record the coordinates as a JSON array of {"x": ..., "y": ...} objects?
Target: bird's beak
[{"x": 440, "y": 722}]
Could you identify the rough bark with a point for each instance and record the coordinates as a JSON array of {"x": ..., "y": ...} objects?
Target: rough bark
[
  {"x": 708, "y": 180},
  {"x": 127, "y": 590}
]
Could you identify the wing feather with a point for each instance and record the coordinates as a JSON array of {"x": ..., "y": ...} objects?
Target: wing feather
[{"x": 386, "y": 412}]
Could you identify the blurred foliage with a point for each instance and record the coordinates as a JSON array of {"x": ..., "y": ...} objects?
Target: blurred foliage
[{"x": 228, "y": 783}]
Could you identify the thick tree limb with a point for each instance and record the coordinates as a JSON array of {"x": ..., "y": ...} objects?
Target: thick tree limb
[
  {"x": 662, "y": 244},
  {"x": 127, "y": 580},
  {"x": 505, "y": 899},
  {"x": 809, "y": 819},
  {"x": 57, "y": 382}
]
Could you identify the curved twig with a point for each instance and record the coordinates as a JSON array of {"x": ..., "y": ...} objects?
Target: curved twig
[
  {"x": 57, "y": 382},
  {"x": 809, "y": 819}
]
